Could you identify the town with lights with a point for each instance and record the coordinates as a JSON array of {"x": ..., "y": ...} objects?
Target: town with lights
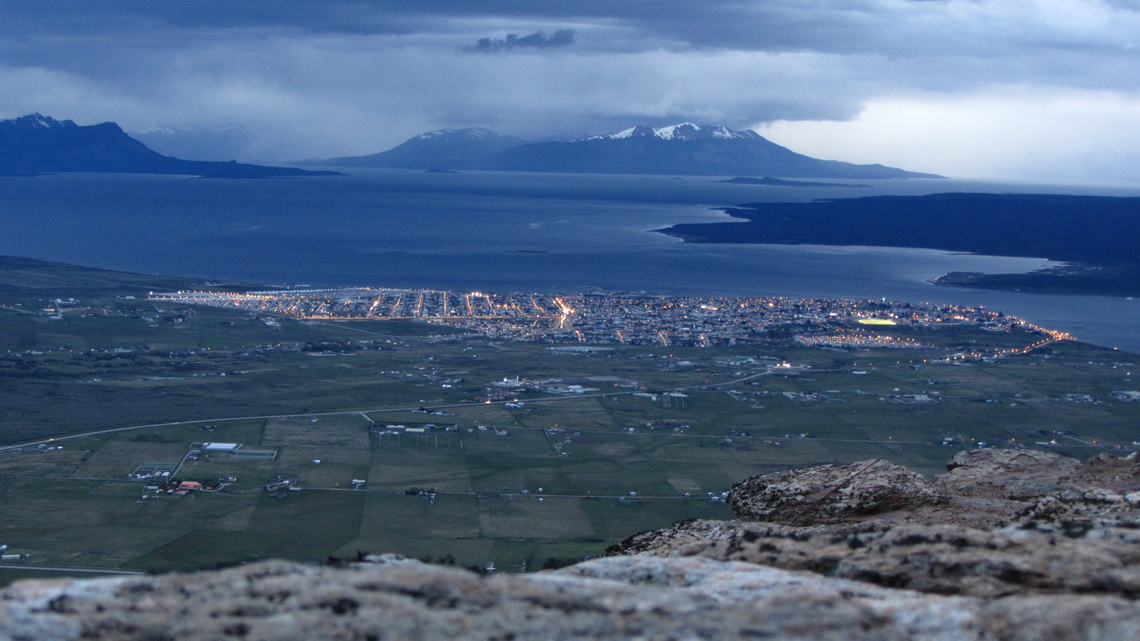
[{"x": 631, "y": 319}]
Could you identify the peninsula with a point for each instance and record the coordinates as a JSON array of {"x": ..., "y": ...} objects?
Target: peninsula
[{"x": 1096, "y": 235}]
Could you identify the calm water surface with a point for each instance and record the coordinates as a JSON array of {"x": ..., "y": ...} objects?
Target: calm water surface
[{"x": 502, "y": 232}]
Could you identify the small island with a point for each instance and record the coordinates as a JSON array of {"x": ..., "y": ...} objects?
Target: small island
[{"x": 780, "y": 182}]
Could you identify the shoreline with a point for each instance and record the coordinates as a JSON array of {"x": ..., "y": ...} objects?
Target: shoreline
[
  {"x": 1091, "y": 257},
  {"x": 1086, "y": 280}
]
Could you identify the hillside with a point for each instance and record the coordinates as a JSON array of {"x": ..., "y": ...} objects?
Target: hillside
[
  {"x": 37, "y": 144},
  {"x": 443, "y": 149}
]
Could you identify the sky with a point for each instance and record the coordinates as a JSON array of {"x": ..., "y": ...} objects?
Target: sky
[{"x": 1032, "y": 90}]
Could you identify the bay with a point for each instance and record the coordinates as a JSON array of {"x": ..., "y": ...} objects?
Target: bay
[{"x": 505, "y": 232}]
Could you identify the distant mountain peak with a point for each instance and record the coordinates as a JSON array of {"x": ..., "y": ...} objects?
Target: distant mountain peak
[
  {"x": 194, "y": 128},
  {"x": 38, "y": 121},
  {"x": 680, "y": 131},
  {"x": 200, "y": 141},
  {"x": 476, "y": 133},
  {"x": 682, "y": 149},
  {"x": 37, "y": 143},
  {"x": 470, "y": 148}
]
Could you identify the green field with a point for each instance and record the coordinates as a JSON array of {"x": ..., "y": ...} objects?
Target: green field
[{"x": 138, "y": 385}]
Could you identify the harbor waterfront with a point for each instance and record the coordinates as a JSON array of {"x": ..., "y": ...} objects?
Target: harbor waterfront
[{"x": 504, "y": 232}]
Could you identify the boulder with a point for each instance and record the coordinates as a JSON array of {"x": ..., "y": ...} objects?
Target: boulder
[{"x": 831, "y": 494}]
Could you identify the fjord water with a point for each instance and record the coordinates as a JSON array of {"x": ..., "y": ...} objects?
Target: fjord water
[{"x": 503, "y": 232}]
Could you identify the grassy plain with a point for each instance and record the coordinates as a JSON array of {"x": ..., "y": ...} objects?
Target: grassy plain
[{"x": 139, "y": 384}]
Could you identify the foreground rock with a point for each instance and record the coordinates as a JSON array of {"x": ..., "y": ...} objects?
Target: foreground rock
[
  {"x": 614, "y": 598},
  {"x": 1009, "y": 546},
  {"x": 1000, "y": 523},
  {"x": 984, "y": 488},
  {"x": 944, "y": 559},
  {"x": 829, "y": 494}
]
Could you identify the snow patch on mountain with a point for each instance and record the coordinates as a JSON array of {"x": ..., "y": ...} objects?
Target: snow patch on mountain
[
  {"x": 197, "y": 129},
  {"x": 39, "y": 121},
  {"x": 477, "y": 133},
  {"x": 681, "y": 131}
]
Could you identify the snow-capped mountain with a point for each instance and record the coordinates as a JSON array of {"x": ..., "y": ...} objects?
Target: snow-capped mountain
[
  {"x": 470, "y": 133},
  {"x": 683, "y": 131},
  {"x": 32, "y": 122},
  {"x": 681, "y": 149}
]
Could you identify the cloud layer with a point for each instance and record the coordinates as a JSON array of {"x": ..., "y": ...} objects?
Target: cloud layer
[
  {"x": 836, "y": 79},
  {"x": 536, "y": 40}
]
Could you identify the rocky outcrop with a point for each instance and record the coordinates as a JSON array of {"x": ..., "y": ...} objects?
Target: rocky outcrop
[
  {"x": 829, "y": 494},
  {"x": 999, "y": 523},
  {"x": 611, "y": 598},
  {"x": 945, "y": 559},
  {"x": 1007, "y": 546},
  {"x": 983, "y": 488}
]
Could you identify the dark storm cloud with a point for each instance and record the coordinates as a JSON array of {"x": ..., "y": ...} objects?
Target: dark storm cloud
[
  {"x": 357, "y": 76},
  {"x": 85, "y": 16},
  {"x": 749, "y": 25},
  {"x": 536, "y": 40},
  {"x": 767, "y": 26},
  {"x": 902, "y": 28}
]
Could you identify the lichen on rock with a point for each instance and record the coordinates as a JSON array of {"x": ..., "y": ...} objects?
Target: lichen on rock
[{"x": 832, "y": 494}]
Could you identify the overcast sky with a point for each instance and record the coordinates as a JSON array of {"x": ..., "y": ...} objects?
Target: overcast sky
[{"x": 1018, "y": 89}]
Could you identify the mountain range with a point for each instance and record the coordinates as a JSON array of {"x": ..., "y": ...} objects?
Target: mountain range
[
  {"x": 36, "y": 144},
  {"x": 683, "y": 149}
]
